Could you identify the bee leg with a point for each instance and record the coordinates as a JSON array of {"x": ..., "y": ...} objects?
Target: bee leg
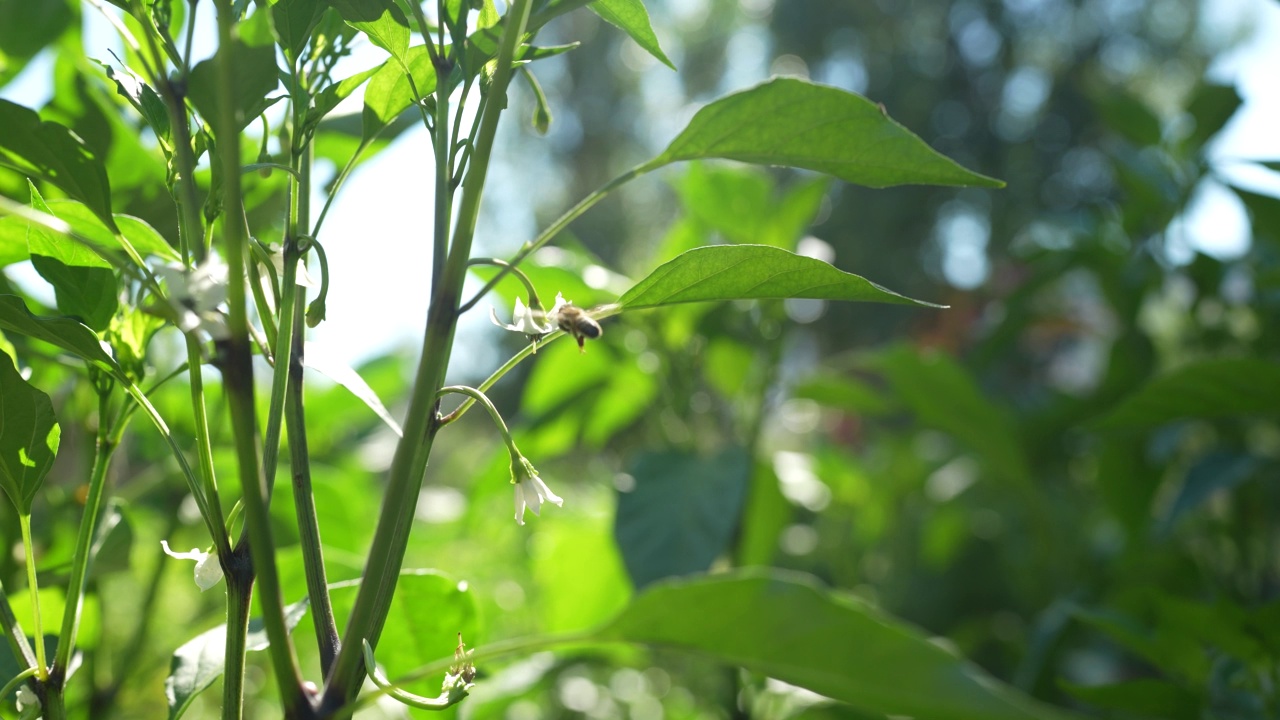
[{"x": 581, "y": 344}]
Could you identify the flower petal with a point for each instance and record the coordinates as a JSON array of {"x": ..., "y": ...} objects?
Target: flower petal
[
  {"x": 194, "y": 554},
  {"x": 520, "y": 503},
  {"x": 208, "y": 572},
  {"x": 544, "y": 492}
]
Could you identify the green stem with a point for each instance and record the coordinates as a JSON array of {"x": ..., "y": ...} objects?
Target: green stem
[
  {"x": 204, "y": 447},
  {"x": 42, "y": 668},
  {"x": 554, "y": 229},
  {"x": 238, "y": 380},
  {"x": 239, "y": 594},
  {"x": 534, "y": 302},
  {"x": 337, "y": 185},
  {"x": 477, "y": 396},
  {"x": 408, "y": 464},
  {"x": 105, "y": 446},
  {"x": 12, "y": 685}
]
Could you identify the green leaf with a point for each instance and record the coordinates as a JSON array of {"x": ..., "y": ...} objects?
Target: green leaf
[
  {"x": 112, "y": 542},
  {"x": 945, "y": 397},
  {"x": 202, "y": 660},
  {"x": 428, "y": 611},
  {"x": 1149, "y": 697},
  {"x": 631, "y": 17},
  {"x": 795, "y": 123},
  {"x": 334, "y": 94},
  {"x": 569, "y": 599},
  {"x": 787, "y": 627},
  {"x": 682, "y": 512},
  {"x": 256, "y": 77},
  {"x": 25, "y": 29},
  {"x": 1211, "y": 106},
  {"x": 29, "y": 435},
  {"x": 143, "y": 98},
  {"x": 14, "y": 233},
  {"x": 55, "y": 154},
  {"x": 1216, "y": 471},
  {"x": 318, "y": 358},
  {"x": 85, "y": 284},
  {"x": 1206, "y": 389},
  {"x": 738, "y": 272},
  {"x": 381, "y": 20},
  {"x": 294, "y": 20},
  {"x": 389, "y": 92},
  {"x": 66, "y": 333}
]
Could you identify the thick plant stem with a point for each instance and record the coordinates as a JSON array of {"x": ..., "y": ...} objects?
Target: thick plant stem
[
  {"x": 239, "y": 593},
  {"x": 105, "y": 445},
  {"x": 409, "y": 462},
  {"x": 237, "y": 373}
]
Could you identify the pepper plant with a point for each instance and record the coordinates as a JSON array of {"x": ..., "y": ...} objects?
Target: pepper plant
[{"x": 204, "y": 284}]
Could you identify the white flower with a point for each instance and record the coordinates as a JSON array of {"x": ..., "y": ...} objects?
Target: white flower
[
  {"x": 208, "y": 570},
  {"x": 531, "y": 492},
  {"x": 196, "y": 294},
  {"x": 524, "y": 320},
  {"x": 26, "y": 698},
  {"x": 304, "y": 278}
]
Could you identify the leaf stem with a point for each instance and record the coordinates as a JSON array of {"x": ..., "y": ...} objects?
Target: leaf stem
[
  {"x": 14, "y": 633},
  {"x": 42, "y": 668}
]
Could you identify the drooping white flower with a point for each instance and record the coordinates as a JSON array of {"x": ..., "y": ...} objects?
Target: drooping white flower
[
  {"x": 304, "y": 278},
  {"x": 208, "y": 570},
  {"x": 524, "y": 320},
  {"x": 531, "y": 492},
  {"x": 26, "y": 698},
  {"x": 196, "y": 294}
]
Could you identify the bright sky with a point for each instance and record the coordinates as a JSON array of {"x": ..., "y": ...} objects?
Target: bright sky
[{"x": 377, "y": 233}]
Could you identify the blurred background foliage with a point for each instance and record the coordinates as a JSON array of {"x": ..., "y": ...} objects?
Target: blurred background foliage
[{"x": 1069, "y": 475}]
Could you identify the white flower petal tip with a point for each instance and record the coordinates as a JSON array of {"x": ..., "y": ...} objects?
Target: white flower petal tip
[
  {"x": 196, "y": 294},
  {"x": 26, "y": 698},
  {"x": 208, "y": 569},
  {"x": 531, "y": 491}
]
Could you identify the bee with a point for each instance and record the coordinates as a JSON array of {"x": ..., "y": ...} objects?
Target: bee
[{"x": 575, "y": 321}]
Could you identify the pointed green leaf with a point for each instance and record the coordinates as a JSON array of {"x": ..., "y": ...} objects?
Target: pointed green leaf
[
  {"x": 143, "y": 98},
  {"x": 14, "y": 232},
  {"x": 55, "y": 154},
  {"x": 795, "y": 123},
  {"x": 381, "y": 20},
  {"x": 294, "y": 20},
  {"x": 631, "y": 17},
  {"x": 739, "y": 272},
  {"x": 1207, "y": 389},
  {"x": 29, "y": 435},
  {"x": 329, "y": 98},
  {"x": 787, "y": 627},
  {"x": 202, "y": 659},
  {"x": 67, "y": 333}
]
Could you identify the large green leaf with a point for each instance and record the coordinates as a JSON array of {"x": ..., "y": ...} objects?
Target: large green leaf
[
  {"x": 1206, "y": 389},
  {"x": 14, "y": 233},
  {"x": 381, "y": 20},
  {"x": 293, "y": 21},
  {"x": 631, "y": 17},
  {"x": 25, "y": 29},
  {"x": 29, "y": 435},
  {"x": 67, "y": 333},
  {"x": 55, "y": 154},
  {"x": 682, "y": 512},
  {"x": 202, "y": 660},
  {"x": 735, "y": 272},
  {"x": 795, "y": 123},
  {"x": 428, "y": 611},
  {"x": 787, "y": 627}
]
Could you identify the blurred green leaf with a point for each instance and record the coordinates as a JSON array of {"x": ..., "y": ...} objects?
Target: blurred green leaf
[
  {"x": 329, "y": 364},
  {"x": 1217, "y": 388},
  {"x": 766, "y": 515},
  {"x": 293, "y": 21},
  {"x": 1155, "y": 698},
  {"x": 570, "y": 599},
  {"x": 1172, "y": 649},
  {"x": 1215, "y": 471},
  {"x": 112, "y": 542},
  {"x": 631, "y": 17},
  {"x": 795, "y": 123},
  {"x": 1211, "y": 106},
  {"x": 329, "y": 98},
  {"x": 944, "y": 396},
  {"x": 81, "y": 220},
  {"x": 382, "y": 21},
  {"x": 682, "y": 512},
  {"x": 628, "y": 396},
  {"x": 29, "y": 436},
  {"x": 256, "y": 77},
  {"x": 26, "y": 28},
  {"x": 202, "y": 659},
  {"x": 739, "y": 272},
  {"x": 787, "y": 627},
  {"x": 54, "y": 154},
  {"x": 1128, "y": 116},
  {"x": 846, "y": 393},
  {"x": 68, "y": 334},
  {"x": 427, "y": 613}
]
